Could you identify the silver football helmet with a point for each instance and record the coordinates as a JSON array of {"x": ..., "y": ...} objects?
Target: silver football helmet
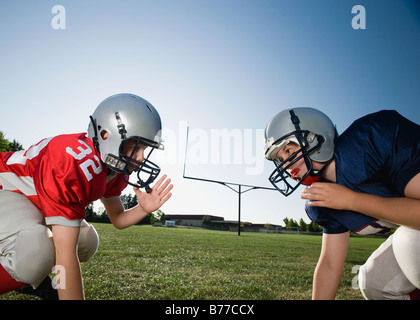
[
  {"x": 127, "y": 116},
  {"x": 309, "y": 128}
]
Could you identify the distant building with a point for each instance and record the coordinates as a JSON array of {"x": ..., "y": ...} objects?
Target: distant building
[
  {"x": 192, "y": 220},
  {"x": 170, "y": 223},
  {"x": 215, "y": 222}
]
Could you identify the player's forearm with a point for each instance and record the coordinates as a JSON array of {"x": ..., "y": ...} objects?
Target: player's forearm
[
  {"x": 325, "y": 283},
  {"x": 129, "y": 217},
  {"x": 120, "y": 217},
  {"x": 402, "y": 211},
  {"x": 71, "y": 285},
  {"x": 330, "y": 265},
  {"x": 326, "y": 280},
  {"x": 65, "y": 241}
]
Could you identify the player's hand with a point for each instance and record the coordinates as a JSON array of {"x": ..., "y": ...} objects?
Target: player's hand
[
  {"x": 159, "y": 194},
  {"x": 329, "y": 195}
]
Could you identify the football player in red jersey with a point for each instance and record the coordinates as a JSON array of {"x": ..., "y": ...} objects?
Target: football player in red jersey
[{"x": 44, "y": 190}]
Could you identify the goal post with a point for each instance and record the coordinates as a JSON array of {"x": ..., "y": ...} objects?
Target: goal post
[{"x": 236, "y": 187}]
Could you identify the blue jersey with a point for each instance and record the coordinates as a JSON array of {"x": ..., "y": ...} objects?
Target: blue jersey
[{"x": 378, "y": 154}]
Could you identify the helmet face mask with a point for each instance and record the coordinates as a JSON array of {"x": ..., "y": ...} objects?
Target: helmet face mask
[
  {"x": 146, "y": 170},
  {"x": 312, "y": 132},
  {"x": 126, "y": 118},
  {"x": 282, "y": 179}
]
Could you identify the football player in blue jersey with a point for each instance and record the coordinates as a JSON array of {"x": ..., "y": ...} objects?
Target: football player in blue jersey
[{"x": 365, "y": 180}]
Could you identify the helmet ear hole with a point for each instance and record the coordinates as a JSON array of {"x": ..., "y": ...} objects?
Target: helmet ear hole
[{"x": 104, "y": 134}]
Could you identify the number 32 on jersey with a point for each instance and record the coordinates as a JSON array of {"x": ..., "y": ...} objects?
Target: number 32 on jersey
[{"x": 82, "y": 151}]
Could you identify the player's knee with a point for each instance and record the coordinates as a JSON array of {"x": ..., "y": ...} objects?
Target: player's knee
[
  {"x": 374, "y": 287},
  {"x": 34, "y": 255},
  {"x": 369, "y": 289},
  {"x": 381, "y": 277},
  {"x": 88, "y": 242},
  {"x": 406, "y": 246}
]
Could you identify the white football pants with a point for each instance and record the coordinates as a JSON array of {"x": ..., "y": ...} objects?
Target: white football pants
[
  {"x": 26, "y": 247},
  {"x": 393, "y": 270}
]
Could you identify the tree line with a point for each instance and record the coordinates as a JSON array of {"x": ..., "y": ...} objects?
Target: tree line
[
  {"x": 6, "y": 145},
  {"x": 302, "y": 225}
]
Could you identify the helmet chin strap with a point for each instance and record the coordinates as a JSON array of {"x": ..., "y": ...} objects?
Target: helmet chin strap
[
  {"x": 310, "y": 179},
  {"x": 315, "y": 177},
  {"x": 95, "y": 130}
]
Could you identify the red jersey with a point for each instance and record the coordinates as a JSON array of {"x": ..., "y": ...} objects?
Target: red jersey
[{"x": 60, "y": 175}]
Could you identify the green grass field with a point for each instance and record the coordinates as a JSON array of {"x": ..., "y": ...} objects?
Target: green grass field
[{"x": 145, "y": 262}]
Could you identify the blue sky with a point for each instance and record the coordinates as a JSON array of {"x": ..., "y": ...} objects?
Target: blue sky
[{"x": 210, "y": 65}]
